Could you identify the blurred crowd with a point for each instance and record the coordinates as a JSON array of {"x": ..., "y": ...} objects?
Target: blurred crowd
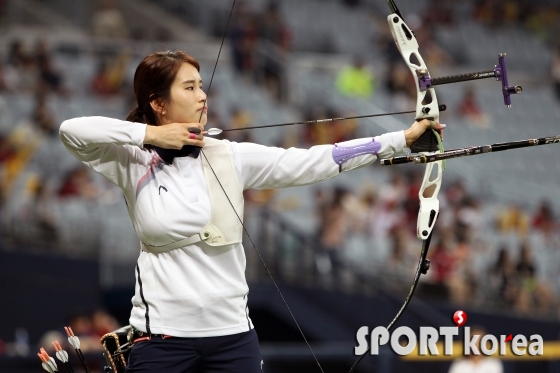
[
  {"x": 260, "y": 44},
  {"x": 29, "y": 143},
  {"x": 478, "y": 255},
  {"x": 28, "y": 73},
  {"x": 540, "y": 17}
]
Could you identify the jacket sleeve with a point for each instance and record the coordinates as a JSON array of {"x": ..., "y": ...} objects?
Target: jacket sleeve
[
  {"x": 106, "y": 145},
  {"x": 263, "y": 167}
]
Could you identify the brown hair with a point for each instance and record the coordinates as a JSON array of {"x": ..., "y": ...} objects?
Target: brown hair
[{"x": 153, "y": 79}]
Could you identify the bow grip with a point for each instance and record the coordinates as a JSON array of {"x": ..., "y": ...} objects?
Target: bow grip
[{"x": 427, "y": 142}]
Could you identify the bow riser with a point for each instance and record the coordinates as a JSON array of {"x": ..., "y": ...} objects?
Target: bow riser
[{"x": 426, "y": 108}]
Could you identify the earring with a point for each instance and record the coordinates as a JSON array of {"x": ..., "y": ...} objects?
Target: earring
[{"x": 163, "y": 112}]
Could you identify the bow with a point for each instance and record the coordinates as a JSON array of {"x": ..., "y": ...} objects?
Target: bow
[{"x": 427, "y": 107}]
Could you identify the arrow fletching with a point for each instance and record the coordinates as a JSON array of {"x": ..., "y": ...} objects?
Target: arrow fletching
[{"x": 48, "y": 362}]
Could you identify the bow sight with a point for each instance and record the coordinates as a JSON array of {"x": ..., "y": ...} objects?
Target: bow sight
[{"x": 499, "y": 72}]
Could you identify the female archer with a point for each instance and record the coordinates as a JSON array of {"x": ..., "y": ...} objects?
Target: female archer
[{"x": 189, "y": 311}]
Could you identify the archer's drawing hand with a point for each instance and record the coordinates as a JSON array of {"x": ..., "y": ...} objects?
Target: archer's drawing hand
[
  {"x": 418, "y": 128},
  {"x": 174, "y": 135}
]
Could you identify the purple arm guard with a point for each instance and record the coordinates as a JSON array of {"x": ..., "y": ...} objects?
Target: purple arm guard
[{"x": 341, "y": 154}]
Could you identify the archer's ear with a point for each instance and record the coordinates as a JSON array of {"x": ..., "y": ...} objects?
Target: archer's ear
[{"x": 157, "y": 106}]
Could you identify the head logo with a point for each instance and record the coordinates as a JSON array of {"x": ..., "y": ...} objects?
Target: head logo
[{"x": 475, "y": 342}]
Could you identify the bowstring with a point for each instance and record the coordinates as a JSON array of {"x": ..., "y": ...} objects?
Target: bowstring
[{"x": 236, "y": 214}]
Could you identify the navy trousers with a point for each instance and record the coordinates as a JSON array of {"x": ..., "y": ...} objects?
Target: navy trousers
[{"x": 237, "y": 353}]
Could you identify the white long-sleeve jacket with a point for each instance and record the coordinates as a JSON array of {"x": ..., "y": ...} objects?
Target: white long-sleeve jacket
[{"x": 198, "y": 290}]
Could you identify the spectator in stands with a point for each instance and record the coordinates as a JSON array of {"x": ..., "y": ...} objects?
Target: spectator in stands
[
  {"x": 476, "y": 363},
  {"x": 100, "y": 83},
  {"x": 316, "y": 133},
  {"x": 402, "y": 255},
  {"x": 239, "y": 118},
  {"x": 468, "y": 218},
  {"x": 17, "y": 56},
  {"x": 9, "y": 77},
  {"x": 340, "y": 130},
  {"x": 108, "y": 21},
  {"x": 471, "y": 110},
  {"x": 43, "y": 118},
  {"x": 456, "y": 192},
  {"x": 244, "y": 36},
  {"x": 24, "y": 140},
  {"x": 526, "y": 269},
  {"x": 110, "y": 75},
  {"x": 38, "y": 215},
  {"x": 7, "y": 149},
  {"x": 544, "y": 219},
  {"x": 443, "y": 263},
  {"x": 78, "y": 183},
  {"x": 356, "y": 80},
  {"x": 389, "y": 214},
  {"x": 48, "y": 76},
  {"x": 513, "y": 218},
  {"x": 524, "y": 301},
  {"x": 8, "y": 152},
  {"x": 534, "y": 295},
  {"x": 334, "y": 226},
  {"x": 555, "y": 71},
  {"x": 400, "y": 84},
  {"x": 274, "y": 29},
  {"x": 321, "y": 203},
  {"x": 503, "y": 284},
  {"x": 21, "y": 68},
  {"x": 463, "y": 284}
]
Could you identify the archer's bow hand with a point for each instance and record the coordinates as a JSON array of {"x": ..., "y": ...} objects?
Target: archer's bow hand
[{"x": 418, "y": 128}]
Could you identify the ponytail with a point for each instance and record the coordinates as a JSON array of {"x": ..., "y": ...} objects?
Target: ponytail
[{"x": 137, "y": 115}]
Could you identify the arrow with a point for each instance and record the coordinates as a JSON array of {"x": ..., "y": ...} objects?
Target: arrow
[
  {"x": 75, "y": 342},
  {"x": 217, "y": 131}
]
